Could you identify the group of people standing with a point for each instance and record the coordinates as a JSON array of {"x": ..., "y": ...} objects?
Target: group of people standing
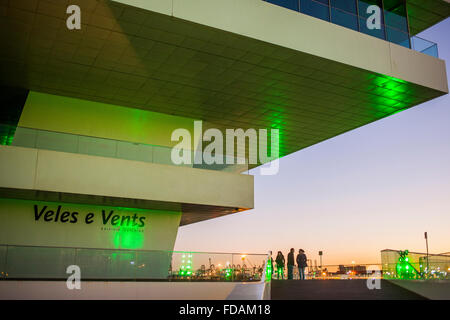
[{"x": 301, "y": 264}]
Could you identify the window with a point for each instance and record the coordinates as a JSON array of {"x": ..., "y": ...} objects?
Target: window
[
  {"x": 396, "y": 22},
  {"x": 363, "y": 5},
  {"x": 343, "y": 12},
  {"x": 290, "y": 4},
  {"x": 355, "y": 14},
  {"x": 316, "y": 8}
]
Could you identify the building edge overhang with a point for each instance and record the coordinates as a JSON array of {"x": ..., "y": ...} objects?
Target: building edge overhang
[
  {"x": 44, "y": 175},
  {"x": 425, "y": 14},
  {"x": 393, "y": 58},
  {"x": 190, "y": 212},
  {"x": 261, "y": 21}
]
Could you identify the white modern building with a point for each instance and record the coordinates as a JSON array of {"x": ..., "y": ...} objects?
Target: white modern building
[{"x": 88, "y": 114}]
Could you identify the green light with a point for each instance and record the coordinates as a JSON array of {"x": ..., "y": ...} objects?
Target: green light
[
  {"x": 405, "y": 270},
  {"x": 128, "y": 238},
  {"x": 186, "y": 266},
  {"x": 7, "y": 135}
]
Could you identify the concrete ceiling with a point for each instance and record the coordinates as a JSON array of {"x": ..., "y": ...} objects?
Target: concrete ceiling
[{"x": 131, "y": 57}]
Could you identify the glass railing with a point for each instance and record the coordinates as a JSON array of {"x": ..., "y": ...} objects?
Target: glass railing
[
  {"x": 393, "y": 29},
  {"x": 424, "y": 46},
  {"x": 73, "y": 143},
  {"x": 36, "y": 262},
  {"x": 395, "y": 264},
  {"x": 405, "y": 265}
]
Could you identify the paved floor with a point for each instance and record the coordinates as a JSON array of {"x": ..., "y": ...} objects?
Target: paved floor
[{"x": 337, "y": 290}]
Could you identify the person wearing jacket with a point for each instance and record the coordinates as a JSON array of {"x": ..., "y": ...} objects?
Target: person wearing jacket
[
  {"x": 301, "y": 263},
  {"x": 280, "y": 265},
  {"x": 290, "y": 264}
]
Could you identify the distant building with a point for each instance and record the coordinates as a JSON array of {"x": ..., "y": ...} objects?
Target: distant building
[{"x": 357, "y": 269}]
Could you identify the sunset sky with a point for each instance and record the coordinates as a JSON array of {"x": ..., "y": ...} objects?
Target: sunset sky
[{"x": 380, "y": 186}]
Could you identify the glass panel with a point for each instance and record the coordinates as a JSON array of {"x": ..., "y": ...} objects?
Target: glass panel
[
  {"x": 134, "y": 151},
  {"x": 3, "y": 252},
  {"x": 26, "y": 262},
  {"x": 343, "y": 12},
  {"x": 56, "y": 141},
  {"x": 414, "y": 265},
  {"x": 396, "y": 36},
  {"x": 67, "y": 142},
  {"x": 316, "y": 8},
  {"x": 106, "y": 264},
  {"x": 396, "y": 22},
  {"x": 395, "y": 14},
  {"x": 424, "y": 46},
  {"x": 290, "y": 4},
  {"x": 97, "y": 146},
  {"x": 353, "y": 14},
  {"x": 25, "y": 137},
  {"x": 432, "y": 51},
  {"x": 153, "y": 264},
  {"x": 38, "y": 262},
  {"x": 363, "y": 5}
]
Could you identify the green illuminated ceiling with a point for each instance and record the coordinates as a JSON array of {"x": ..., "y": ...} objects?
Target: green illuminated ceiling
[
  {"x": 423, "y": 14},
  {"x": 131, "y": 57}
]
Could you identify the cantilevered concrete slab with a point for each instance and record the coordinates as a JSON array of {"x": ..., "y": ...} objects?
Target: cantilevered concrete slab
[
  {"x": 36, "y": 174},
  {"x": 230, "y": 63}
]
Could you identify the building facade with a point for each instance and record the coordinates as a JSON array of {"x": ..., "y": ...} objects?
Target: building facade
[{"x": 88, "y": 114}]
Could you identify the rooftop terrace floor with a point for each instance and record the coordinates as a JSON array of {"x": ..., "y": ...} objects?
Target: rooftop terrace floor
[{"x": 338, "y": 290}]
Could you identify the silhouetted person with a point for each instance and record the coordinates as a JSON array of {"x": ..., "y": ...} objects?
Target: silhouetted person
[
  {"x": 290, "y": 264},
  {"x": 280, "y": 265},
  {"x": 301, "y": 263}
]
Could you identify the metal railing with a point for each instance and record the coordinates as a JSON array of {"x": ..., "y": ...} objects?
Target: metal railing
[{"x": 51, "y": 263}]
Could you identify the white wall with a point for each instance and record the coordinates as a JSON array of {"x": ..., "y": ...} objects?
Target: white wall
[
  {"x": 37, "y": 169},
  {"x": 40, "y": 240},
  {"x": 20, "y": 226}
]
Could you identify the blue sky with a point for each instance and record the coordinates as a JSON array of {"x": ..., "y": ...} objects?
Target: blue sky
[{"x": 376, "y": 187}]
